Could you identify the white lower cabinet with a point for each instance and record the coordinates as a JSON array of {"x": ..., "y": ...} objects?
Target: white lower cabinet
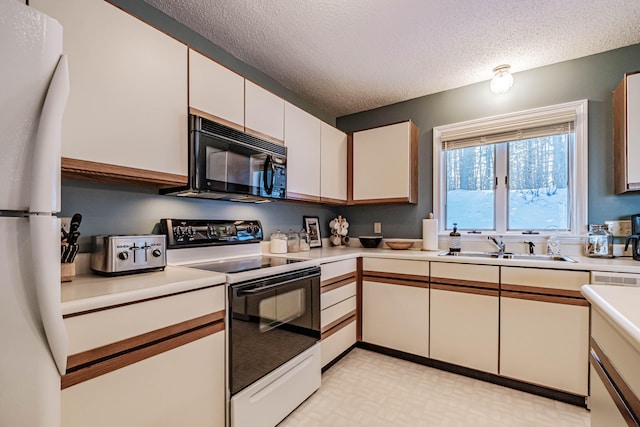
[
  {"x": 545, "y": 343},
  {"x": 464, "y": 329},
  {"x": 183, "y": 386},
  {"x": 157, "y": 362},
  {"x": 395, "y": 304},
  {"x": 544, "y": 328},
  {"x": 396, "y": 316},
  {"x": 464, "y": 315}
]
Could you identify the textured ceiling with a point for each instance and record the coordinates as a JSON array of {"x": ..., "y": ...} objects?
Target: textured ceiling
[{"x": 347, "y": 56}]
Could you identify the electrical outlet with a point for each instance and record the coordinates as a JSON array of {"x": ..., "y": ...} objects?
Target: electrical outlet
[
  {"x": 619, "y": 228},
  {"x": 377, "y": 227}
]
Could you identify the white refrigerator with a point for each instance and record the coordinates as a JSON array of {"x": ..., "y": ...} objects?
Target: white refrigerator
[{"x": 34, "y": 88}]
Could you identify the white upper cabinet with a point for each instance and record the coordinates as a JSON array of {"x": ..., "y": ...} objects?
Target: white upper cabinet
[
  {"x": 333, "y": 164},
  {"x": 626, "y": 133},
  {"x": 128, "y": 100},
  {"x": 264, "y": 113},
  {"x": 302, "y": 138},
  {"x": 385, "y": 164},
  {"x": 215, "y": 91}
]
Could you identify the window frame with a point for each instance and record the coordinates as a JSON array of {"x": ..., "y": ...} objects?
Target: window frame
[{"x": 578, "y": 164}]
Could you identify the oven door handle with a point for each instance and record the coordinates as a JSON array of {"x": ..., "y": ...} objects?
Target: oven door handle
[{"x": 266, "y": 288}]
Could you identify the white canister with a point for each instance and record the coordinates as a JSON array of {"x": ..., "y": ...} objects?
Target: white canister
[{"x": 278, "y": 243}]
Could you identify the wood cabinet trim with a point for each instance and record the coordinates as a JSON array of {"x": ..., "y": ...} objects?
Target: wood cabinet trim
[
  {"x": 347, "y": 276},
  {"x": 545, "y": 298},
  {"x": 331, "y": 285},
  {"x": 359, "y": 298},
  {"x": 263, "y": 136},
  {"x": 465, "y": 289},
  {"x": 302, "y": 197},
  {"x": 397, "y": 279},
  {"x": 342, "y": 319},
  {"x": 541, "y": 291},
  {"x": 465, "y": 283},
  {"x": 85, "y": 358},
  {"x": 381, "y": 201},
  {"x": 85, "y": 170},
  {"x": 330, "y": 201},
  {"x": 626, "y": 401},
  {"x": 216, "y": 119},
  {"x": 120, "y": 361}
]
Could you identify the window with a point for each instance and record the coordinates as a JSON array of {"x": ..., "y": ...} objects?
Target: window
[{"x": 517, "y": 173}]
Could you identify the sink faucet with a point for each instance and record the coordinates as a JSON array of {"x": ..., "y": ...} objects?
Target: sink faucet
[
  {"x": 500, "y": 246},
  {"x": 531, "y": 246}
]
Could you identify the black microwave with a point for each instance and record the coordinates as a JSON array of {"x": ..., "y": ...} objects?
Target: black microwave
[{"x": 226, "y": 164}]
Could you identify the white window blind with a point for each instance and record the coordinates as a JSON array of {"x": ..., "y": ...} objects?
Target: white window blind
[{"x": 487, "y": 134}]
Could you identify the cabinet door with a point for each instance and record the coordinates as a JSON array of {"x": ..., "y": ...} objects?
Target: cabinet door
[
  {"x": 333, "y": 163},
  {"x": 633, "y": 130},
  {"x": 215, "y": 91},
  {"x": 128, "y": 100},
  {"x": 464, "y": 315},
  {"x": 604, "y": 411},
  {"x": 464, "y": 329},
  {"x": 396, "y": 316},
  {"x": 183, "y": 386},
  {"x": 302, "y": 138},
  {"x": 385, "y": 161},
  {"x": 264, "y": 113},
  {"x": 545, "y": 343}
]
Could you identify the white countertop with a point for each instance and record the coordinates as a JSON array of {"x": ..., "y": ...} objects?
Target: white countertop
[
  {"x": 331, "y": 253},
  {"x": 91, "y": 291},
  {"x": 620, "y": 305}
]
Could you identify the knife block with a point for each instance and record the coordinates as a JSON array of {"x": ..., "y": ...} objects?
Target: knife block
[{"x": 67, "y": 271}]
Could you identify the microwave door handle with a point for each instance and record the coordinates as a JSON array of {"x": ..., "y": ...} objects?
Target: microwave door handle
[{"x": 268, "y": 167}]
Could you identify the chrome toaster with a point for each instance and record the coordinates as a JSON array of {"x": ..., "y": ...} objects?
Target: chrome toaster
[{"x": 117, "y": 255}]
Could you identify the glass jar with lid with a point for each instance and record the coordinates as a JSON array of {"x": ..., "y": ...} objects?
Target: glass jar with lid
[
  {"x": 305, "y": 244},
  {"x": 278, "y": 243},
  {"x": 599, "y": 242},
  {"x": 293, "y": 241}
]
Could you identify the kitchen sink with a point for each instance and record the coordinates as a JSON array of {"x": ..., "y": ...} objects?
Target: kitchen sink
[{"x": 510, "y": 255}]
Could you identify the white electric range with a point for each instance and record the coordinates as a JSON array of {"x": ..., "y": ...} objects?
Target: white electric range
[{"x": 273, "y": 315}]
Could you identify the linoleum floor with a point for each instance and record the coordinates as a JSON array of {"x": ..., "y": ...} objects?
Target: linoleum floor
[{"x": 370, "y": 389}]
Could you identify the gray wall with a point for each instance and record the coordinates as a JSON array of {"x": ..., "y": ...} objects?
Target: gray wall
[
  {"x": 592, "y": 78},
  {"x": 124, "y": 210}
]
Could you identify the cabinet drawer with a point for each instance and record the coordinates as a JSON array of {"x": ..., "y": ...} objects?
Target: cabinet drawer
[
  {"x": 397, "y": 266},
  {"x": 336, "y": 311},
  {"x": 336, "y": 269},
  {"x": 336, "y": 343},
  {"x": 92, "y": 330},
  {"x": 543, "y": 278},
  {"x": 465, "y": 272},
  {"x": 335, "y": 296}
]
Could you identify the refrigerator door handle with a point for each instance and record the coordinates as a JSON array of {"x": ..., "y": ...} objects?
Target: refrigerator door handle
[
  {"x": 45, "y": 182},
  {"x": 45, "y": 242}
]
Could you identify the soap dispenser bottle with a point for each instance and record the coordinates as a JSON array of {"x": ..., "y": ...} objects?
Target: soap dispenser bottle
[{"x": 454, "y": 239}]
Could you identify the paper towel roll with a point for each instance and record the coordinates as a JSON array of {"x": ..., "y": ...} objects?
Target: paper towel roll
[{"x": 429, "y": 234}]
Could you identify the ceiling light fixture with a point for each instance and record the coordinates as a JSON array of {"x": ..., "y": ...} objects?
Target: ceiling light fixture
[{"x": 502, "y": 79}]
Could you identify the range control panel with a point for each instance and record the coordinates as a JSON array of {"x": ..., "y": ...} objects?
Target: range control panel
[
  {"x": 184, "y": 233},
  {"x": 115, "y": 255}
]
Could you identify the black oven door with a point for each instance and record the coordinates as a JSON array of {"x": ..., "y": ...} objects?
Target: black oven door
[{"x": 271, "y": 321}]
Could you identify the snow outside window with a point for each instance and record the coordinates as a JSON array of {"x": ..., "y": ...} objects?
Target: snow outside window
[{"x": 518, "y": 173}]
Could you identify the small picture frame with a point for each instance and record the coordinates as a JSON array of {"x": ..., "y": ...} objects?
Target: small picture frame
[{"x": 312, "y": 224}]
